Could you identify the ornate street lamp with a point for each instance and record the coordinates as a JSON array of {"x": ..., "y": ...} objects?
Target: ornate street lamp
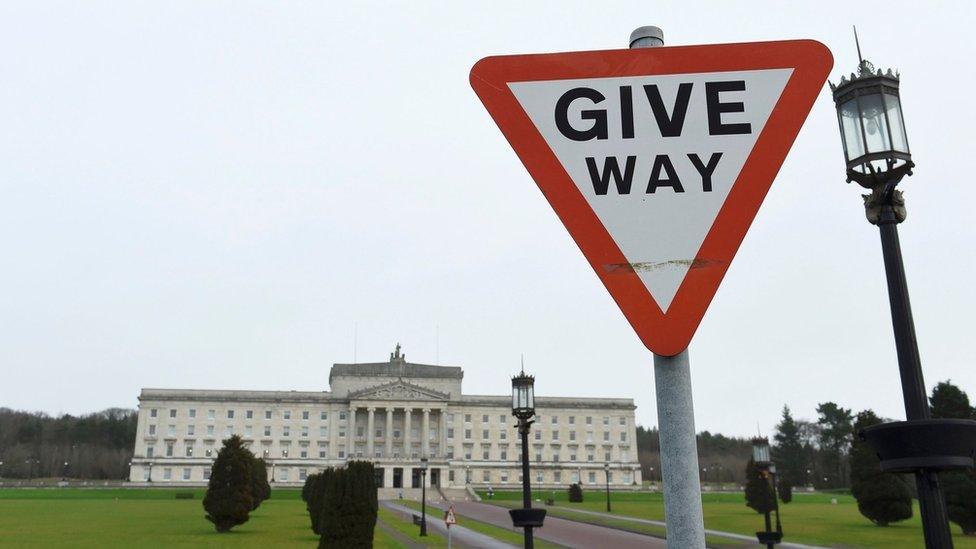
[
  {"x": 761, "y": 456},
  {"x": 872, "y": 129},
  {"x": 523, "y": 408},
  {"x": 606, "y": 469},
  {"x": 423, "y": 496},
  {"x": 149, "y": 475},
  {"x": 64, "y": 472}
]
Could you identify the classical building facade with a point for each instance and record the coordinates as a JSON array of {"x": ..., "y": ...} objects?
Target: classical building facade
[{"x": 393, "y": 414}]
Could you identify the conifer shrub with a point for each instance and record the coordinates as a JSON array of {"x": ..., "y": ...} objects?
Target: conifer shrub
[
  {"x": 349, "y": 507},
  {"x": 785, "y": 490},
  {"x": 260, "y": 489},
  {"x": 575, "y": 493},
  {"x": 228, "y": 500},
  {"x": 881, "y": 497}
]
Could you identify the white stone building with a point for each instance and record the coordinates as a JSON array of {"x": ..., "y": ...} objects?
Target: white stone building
[{"x": 391, "y": 413}]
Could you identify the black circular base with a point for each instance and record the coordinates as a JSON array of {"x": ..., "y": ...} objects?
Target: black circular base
[
  {"x": 527, "y": 517},
  {"x": 923, "y": 444}
]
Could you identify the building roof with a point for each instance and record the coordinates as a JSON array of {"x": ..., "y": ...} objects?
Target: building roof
[{"x": 397, "y": 367}]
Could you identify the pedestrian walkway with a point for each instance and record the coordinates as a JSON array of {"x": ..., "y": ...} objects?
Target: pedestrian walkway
[
  {"x": 563, "y": 532},
  {"x": 719, "y": 533},
  {"x": 460, "y": 535}
]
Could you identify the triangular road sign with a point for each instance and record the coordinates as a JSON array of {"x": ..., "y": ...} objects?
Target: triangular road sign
[
  {"x": 656, "y": 160},
  {"x": 449, "y": 517}
]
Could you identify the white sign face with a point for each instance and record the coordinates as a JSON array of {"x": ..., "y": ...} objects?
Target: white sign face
[{"x": 655, "y": 156}]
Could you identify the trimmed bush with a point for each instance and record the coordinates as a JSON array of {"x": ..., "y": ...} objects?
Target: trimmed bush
[
  {"x": 313, "y": 493},
  {"x": 349, "y": 507},
  {"x": 759, "y": 494},
  {"x": 575, "y": 493},
  {"x": 260, "y": 489},
  {"x": 228, "y": 500},
  {"x": 960, "y": 494},
  {"x": 881, "y": 497}
]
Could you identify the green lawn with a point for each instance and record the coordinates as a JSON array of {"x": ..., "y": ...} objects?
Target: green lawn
[
  {"x": 809, "y": 518},
  {"x": 150, "y": 518}
]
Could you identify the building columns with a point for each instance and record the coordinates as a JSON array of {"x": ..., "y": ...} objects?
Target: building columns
[
  {"x": 389, "y": 437},
  {"x": 406, "y": 432},
  {"x": 425, "y": 434},
  {"x": 369, "y": 432},
  {"x": 351, "y": 432}
]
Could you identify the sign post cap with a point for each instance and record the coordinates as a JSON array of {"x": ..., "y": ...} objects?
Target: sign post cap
[{"x": 647, "y": 36}]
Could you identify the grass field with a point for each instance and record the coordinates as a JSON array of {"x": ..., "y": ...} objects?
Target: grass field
[
  {"x": 154, "y": 518},
  {"x": 809, "y": 518}
]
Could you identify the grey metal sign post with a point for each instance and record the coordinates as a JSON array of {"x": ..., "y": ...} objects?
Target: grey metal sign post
[{"x": 676, "y": 417}]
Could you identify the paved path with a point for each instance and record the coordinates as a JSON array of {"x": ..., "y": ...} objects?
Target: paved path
[
  {"x": 564, "y": 532},
  {"x": 460, "y": 535},
  {"x": 720, "y": 533}
]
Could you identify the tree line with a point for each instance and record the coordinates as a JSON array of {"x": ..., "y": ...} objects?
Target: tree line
[{"x": 94, "y": 446}]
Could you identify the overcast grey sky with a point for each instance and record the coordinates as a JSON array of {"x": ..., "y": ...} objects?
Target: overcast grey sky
[{"x": 215, "y": 195}]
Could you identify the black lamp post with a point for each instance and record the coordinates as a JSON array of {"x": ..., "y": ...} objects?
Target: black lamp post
[
  {"x": 423, "y": 496},
  {"x": 523, "y": 408},
  {"x": 606, "y": 469},
  {"x": 30, "y": 468},
  {"x": 761, "y": 456},
  {"x": 872, "y": 130},
  {"x": 64, "y": 472},
  {"x": 149, "y": 476}
]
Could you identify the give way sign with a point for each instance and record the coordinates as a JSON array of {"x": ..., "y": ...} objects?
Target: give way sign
[{"x": 656, "y": 159}]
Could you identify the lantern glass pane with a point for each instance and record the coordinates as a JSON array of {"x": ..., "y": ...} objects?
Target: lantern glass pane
[
  {"x": 530, "y": 397},
  {"x": 515, "y": 393},
  {"x": 850, "y": 125},
  {"x": 876, "y": 130},
  {"x": 899, "y": 139}
]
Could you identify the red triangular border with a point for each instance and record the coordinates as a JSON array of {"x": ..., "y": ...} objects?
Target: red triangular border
[{"x": 663, "y": 334}]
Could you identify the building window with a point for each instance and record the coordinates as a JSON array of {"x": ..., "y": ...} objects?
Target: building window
[
  {"x": 210, "y": 430},
  {"x": 484, "y": 418},
  {"x": 555, "y": 435},
  {"x": 189, "y": 451},
  {"x": 323, "y": 431},
  {"x": 171, "y": 430},
  {"x": 450, "y": 432},
  {"x": 623, "y": 420},
  {"x": 303, "y": 453},
  {"x": 167, "y": 474},
  {"x": 209, "y": 452},
  {"x": 501, "y": 419},
  {"x": 572, "y": 420},
  {"x": 284, "y": 453},
  {"x": 186, "y": 473},
  {"x": 211, "y": 414},
  {"x": 623, "y": 455},
  {"x": 283, "y": 474},
  {"x": 152, "y": 412},
  {"x": 623, "y": 437},
  {"x": 555, "y": 420},
  {"x": 267, "y": 430},
  {"x": 432, "y": 435},
  {"x": 304, "y": 431},
  {"x": 230, "y": 414},
  {"x": 606, "y": 420},
  {"x": 575, "y": 477},
  {"x": 342, "y": 433},
  {"x": 324, "y": 416},
  {"x": 248, "y": 431},
  {"x": 193, "y": 413},
  {"x": 484, "y": 434},
  {"x": 396, "y": 433},
  {"x": 467, "y": 452},
  {"x": 606, "y": 436},
  {"x": 538, "y": 434},
  {"x": 484, "y": 454},
  {"x": 321, "y": 453},
  {"x": 150, "y": 451},
  {"x": 342, "y": 453},
  {"x": 189, "y": 430},
  {"x": 589, "y": 437},
  {"x": 589, "y": 457},
  {"x": 450, "y": 453},
  {"x": 286, "y": 414},
  {"x": 467, "y": 433},
  {"x": 572, "y": 457},
  {"x": 169, "y": 450},
  {"x": 538, "y": 456},
  {"x": 172, "y": 412},
  {"x": 504, "y": 455},
  {"x": 606, "y": 456},
  {"x": 267, "y": 414},
  {"x": 286, "y": 431},
  {"x": 248, "y": 414},
  {"x": 304, "y": 415},
  {"x": 538, "y": 477},
  {"x": 152, "y": 430},
  {"x": 555, "y": 456},
  {"x": 504, "y": 476},
  {"x": 229, "y": 431},
  {"x": 342, "y": 416},
  {"x": 589, "y": 420},
  {"x": 206, "y": 474},
  {"x": 591, "y": 478},
  {"x": 467, "y": 418},
  {"x": 502, "y": 435},
  {"x": 302, "y": 474},
  {"x": 359, "y": 431},
  {"x": 486, "y": 476}
]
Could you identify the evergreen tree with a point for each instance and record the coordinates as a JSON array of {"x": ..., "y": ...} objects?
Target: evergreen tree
[
  {"x": 949, "y": 401},
  {"x": 881, "y": 497},
  {"x": 835, "y": 440},
  {"x": 313, "y": 493},
  {"x": 575, "y": 493},
  {"x": 788, "y": 451},
  {"x": 228, "y": 500},
  {"x": 785, "y": 490},
  {"x": 349, "y": 508},
  {"x": 758, "y": 489},
  {"x": 260, "y": 489}
]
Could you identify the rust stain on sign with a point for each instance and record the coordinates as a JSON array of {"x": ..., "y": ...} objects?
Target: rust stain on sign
[{"x": 649, "y": 266}]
